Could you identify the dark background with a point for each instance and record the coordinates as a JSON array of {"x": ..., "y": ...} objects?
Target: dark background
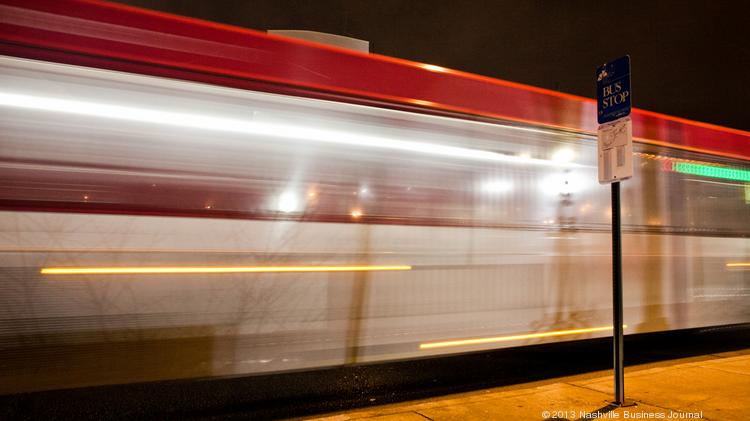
[{"x": 689, "y": 58}]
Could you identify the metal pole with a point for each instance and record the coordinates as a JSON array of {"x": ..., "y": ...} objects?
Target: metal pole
[{"x": 617, "y": 296}]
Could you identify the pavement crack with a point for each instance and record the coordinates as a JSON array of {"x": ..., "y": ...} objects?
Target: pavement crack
[
  {"x": 583, "y": 387},
  {"x": 726, "y": 371},
  {"x": 423, "y": 415}
]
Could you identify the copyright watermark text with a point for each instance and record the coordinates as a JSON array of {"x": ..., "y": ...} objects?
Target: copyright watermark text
[{"x": 620, "y": 415}]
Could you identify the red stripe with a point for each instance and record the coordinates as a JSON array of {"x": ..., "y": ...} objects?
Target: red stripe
[{"x": 120, "y": 36}]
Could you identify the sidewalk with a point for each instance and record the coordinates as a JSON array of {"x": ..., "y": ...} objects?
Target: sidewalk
[{"x": 710, "y": 387}]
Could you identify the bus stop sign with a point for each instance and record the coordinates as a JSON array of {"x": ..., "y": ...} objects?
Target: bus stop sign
[{"x": 613, "y": 90}]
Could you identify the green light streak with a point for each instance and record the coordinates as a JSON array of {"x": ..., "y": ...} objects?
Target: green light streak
[{"x": 711, "y": 171}]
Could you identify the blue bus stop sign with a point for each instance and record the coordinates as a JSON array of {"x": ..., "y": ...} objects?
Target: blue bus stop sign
[{"x": 613, "y": 90}]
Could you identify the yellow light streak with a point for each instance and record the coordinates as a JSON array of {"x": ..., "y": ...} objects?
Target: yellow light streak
[
  {"x": 213, "y": 269},
  {"x": 477, "y": 341},
  {"x": 738, "y": 265}
]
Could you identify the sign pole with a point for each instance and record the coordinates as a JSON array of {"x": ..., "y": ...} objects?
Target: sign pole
[
  {"x": 615, "y": 151},
  {"x": 617, "y": 297}
]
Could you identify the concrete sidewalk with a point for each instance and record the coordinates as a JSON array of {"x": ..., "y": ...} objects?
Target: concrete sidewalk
[{"x": 710, "y": 387}]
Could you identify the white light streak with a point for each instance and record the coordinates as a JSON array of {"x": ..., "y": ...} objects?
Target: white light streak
[{"x": 257, "y": 128}]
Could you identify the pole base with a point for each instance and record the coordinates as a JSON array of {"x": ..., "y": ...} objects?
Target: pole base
[{"x": 623, "y": 404}]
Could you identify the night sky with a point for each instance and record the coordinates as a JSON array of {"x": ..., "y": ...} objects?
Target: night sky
[{"x": 689, "y": 58}]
